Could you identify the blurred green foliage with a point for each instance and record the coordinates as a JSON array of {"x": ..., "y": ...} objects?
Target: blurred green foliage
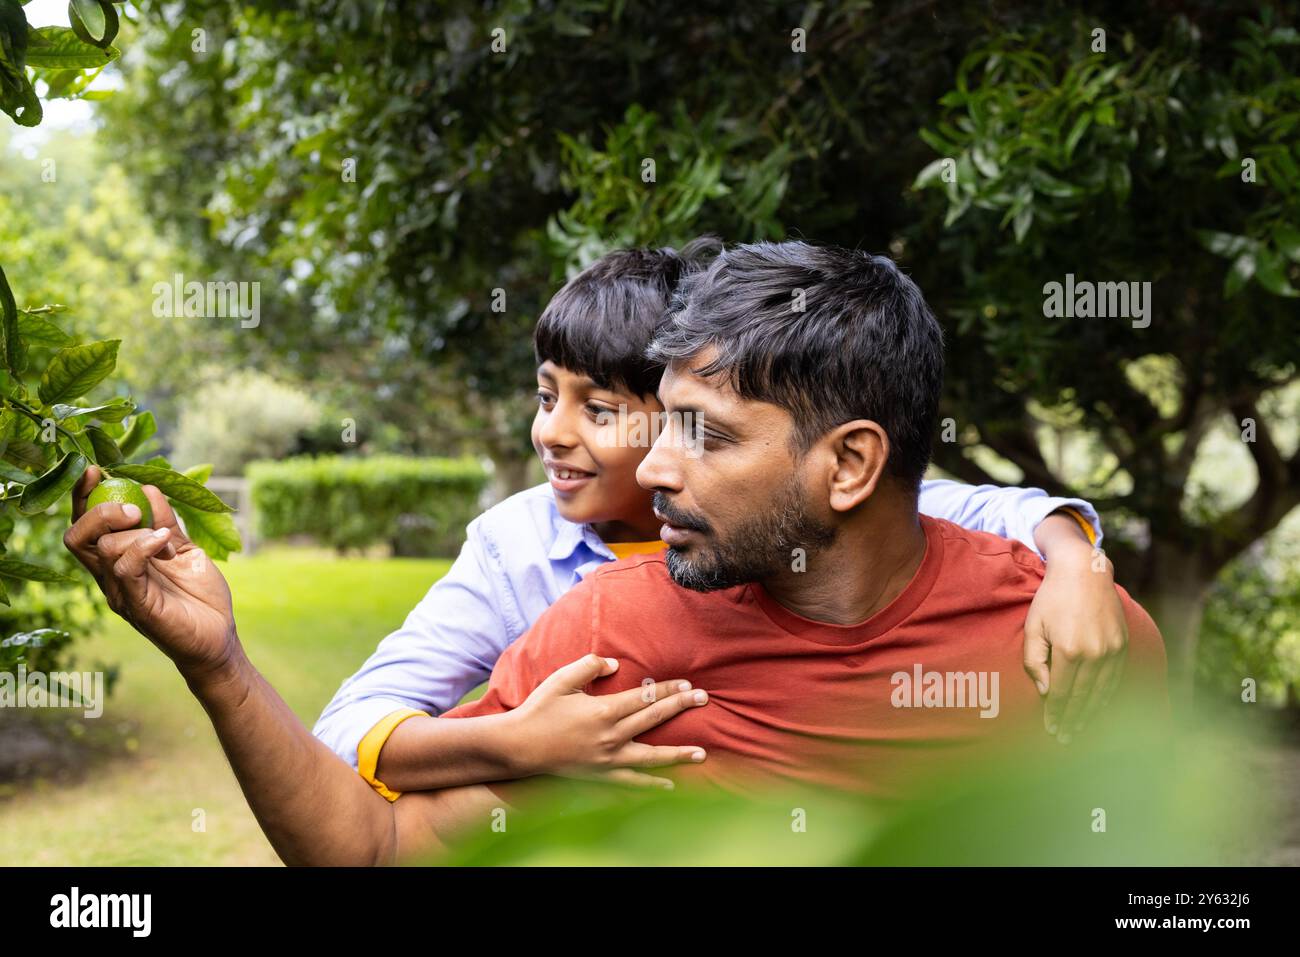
[
  {"x": 418, "y": 505},
  {"x": 1131, "y": 796}
]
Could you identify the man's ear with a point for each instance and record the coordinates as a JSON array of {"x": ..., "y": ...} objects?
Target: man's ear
[{"x": 861, "y": 449}]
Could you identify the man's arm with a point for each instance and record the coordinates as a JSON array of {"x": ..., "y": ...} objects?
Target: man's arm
[{"x": 312, "y": 806}]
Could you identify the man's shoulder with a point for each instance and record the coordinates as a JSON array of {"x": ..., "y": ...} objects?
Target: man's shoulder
[
  {"x": 983, "y": 554},
  {"x": 644, "y": 588}
]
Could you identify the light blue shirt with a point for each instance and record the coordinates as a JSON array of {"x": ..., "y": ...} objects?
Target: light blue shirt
[{"x": 519, "y": 557}]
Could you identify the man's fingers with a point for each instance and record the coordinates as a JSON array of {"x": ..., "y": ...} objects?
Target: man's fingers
[
  {"x": 129, "y": 570},
  {"x": 634, "y": 755},
  {"x": 655, "y": 714},
  {"x": 81, "y": 491},
  {"x": 84, "y": 534},
  {"x": 163, "y": 513},
  {"x": 164, "y": 516},
  {"x": 578, "y": 674}
]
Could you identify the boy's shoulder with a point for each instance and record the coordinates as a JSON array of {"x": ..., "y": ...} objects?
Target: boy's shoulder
[{"x": 529, "y": 516}]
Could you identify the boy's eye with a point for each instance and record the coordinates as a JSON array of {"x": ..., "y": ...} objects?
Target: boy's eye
[
  {"x": 545, "y": 398},
  {"x": 602, "y": 415}
]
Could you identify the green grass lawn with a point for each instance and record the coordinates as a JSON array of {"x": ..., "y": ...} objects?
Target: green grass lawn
[{"x": 307, "y": 620}]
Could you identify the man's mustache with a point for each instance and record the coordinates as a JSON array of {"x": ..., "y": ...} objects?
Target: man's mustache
[{"x": 677, "y": 517}]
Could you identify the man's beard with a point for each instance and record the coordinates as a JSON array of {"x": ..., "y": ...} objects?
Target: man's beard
[{"x": 756, "y": 550}]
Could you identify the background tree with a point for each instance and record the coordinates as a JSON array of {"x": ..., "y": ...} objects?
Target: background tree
[{"x": 403, "y": 166}]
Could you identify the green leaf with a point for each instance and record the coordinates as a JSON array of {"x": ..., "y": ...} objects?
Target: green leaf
[
  {"x": 1243, "y": 267},
  {"x": 76, "y": 370},
  {"x": 10, "y": 473},
  {"x": 142, "y": 426},
  {"x": 215, "y": 534},
  {"x": 35, "y": 329},
  {"x": 112, "y": 411},
  {"x": 1287, "y": 239},
  {"x": 105, "y": 449},
  {"x": 1076, "y": 133},
  {"x": 91, "y": 16},
  {"x": 58, "y": 48},
  {"x": 200, "y": 473},
  {"x": 932, "y": 173},
  {"x": 53, "y": 485},
  {"x": 13, "y": 351},
  {"x": 174, "y": 485},
  {"x": 13, "y": 568},
  {"x": 1223, "y": 244},
  {"x": 1270, "y": 270}
]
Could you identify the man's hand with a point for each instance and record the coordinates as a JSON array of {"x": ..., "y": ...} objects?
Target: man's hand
[
  {"x": 158, "y": 580},
  {"x": 560, "y": 730},
  {"x": 1076, "y": 634}
]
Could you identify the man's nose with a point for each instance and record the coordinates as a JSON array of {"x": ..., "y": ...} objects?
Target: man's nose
[{"x": 659, "y": 470}]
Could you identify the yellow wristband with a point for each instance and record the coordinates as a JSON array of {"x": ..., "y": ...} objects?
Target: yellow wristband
[
  {"x": 370, "y": 746},
  {"x": 1083, "y": 523}
]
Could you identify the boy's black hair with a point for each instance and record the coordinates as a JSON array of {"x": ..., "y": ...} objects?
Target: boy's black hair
[
  {"x": 600, "y": 323},
  {"x": 828, "y": 334}
]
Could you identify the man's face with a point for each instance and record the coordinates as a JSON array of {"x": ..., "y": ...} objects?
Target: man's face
[{"x": 734, "y": 498}]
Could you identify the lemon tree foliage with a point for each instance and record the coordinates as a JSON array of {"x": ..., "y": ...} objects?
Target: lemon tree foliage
[{"x": 59, "y": 413}]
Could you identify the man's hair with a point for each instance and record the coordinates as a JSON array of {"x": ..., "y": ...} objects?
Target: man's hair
[
  {"x": 601, "y": 321},
  {"x": 864, "y": 345}
]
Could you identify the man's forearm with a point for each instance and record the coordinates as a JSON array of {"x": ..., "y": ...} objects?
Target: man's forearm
[
  {"x": 313, "y": 808},
  {"x": 428, "y": 753}
]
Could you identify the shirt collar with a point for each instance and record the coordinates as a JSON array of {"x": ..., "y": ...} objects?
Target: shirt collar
[{"x": 569, "y": 536}]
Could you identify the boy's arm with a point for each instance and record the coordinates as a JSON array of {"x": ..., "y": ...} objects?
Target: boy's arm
[
  {"x": 446, "y": 646},
  {"x": 1008, "y": 512},
  {"x": 1075, "y": 633}
]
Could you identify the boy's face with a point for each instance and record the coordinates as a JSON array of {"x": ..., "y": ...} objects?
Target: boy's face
[{"x": 591, "y": 441}]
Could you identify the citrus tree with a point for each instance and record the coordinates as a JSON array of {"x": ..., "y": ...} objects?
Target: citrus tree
[{"x": 59, "y": 412}]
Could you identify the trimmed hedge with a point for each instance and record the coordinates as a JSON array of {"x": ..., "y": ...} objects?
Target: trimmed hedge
[{"x": 420, "y": 506}]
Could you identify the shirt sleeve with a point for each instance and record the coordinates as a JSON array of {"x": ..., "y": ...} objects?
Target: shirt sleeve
[
  {"x": 1009, "y": 512},
  {"x": 445, "y": 648},
  {"x": 562, "y": 635}
]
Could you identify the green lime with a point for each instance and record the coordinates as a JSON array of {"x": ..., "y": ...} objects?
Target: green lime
[{"x": 125, "y": 491}]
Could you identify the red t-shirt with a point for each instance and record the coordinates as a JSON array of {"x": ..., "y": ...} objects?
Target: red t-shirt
[{"x": 800, "y": 702}]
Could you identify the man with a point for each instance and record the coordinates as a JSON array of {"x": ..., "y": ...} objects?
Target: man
[
  {"x": 800, "y": 582},
  {"x": 844, "y": 639}
]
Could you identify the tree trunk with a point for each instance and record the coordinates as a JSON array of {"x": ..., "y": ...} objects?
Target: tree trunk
[
  {"x": 1174, "y": 593},
  {"x": 509, "y": 473}
]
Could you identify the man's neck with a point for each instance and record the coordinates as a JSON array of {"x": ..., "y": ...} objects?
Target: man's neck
[{"x": 874, "y": 557}]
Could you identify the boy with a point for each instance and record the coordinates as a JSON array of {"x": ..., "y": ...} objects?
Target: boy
[{"x": 596, "y": 395}]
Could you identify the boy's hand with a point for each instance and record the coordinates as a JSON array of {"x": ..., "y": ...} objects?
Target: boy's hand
[
  {"x": 563, "y": 731},
  {"x": 1076, "y": 637},
  {"x": 165, "y": 586}
]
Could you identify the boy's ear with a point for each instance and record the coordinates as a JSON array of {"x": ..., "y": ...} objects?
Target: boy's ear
[{"x": 859, "y": 451}]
